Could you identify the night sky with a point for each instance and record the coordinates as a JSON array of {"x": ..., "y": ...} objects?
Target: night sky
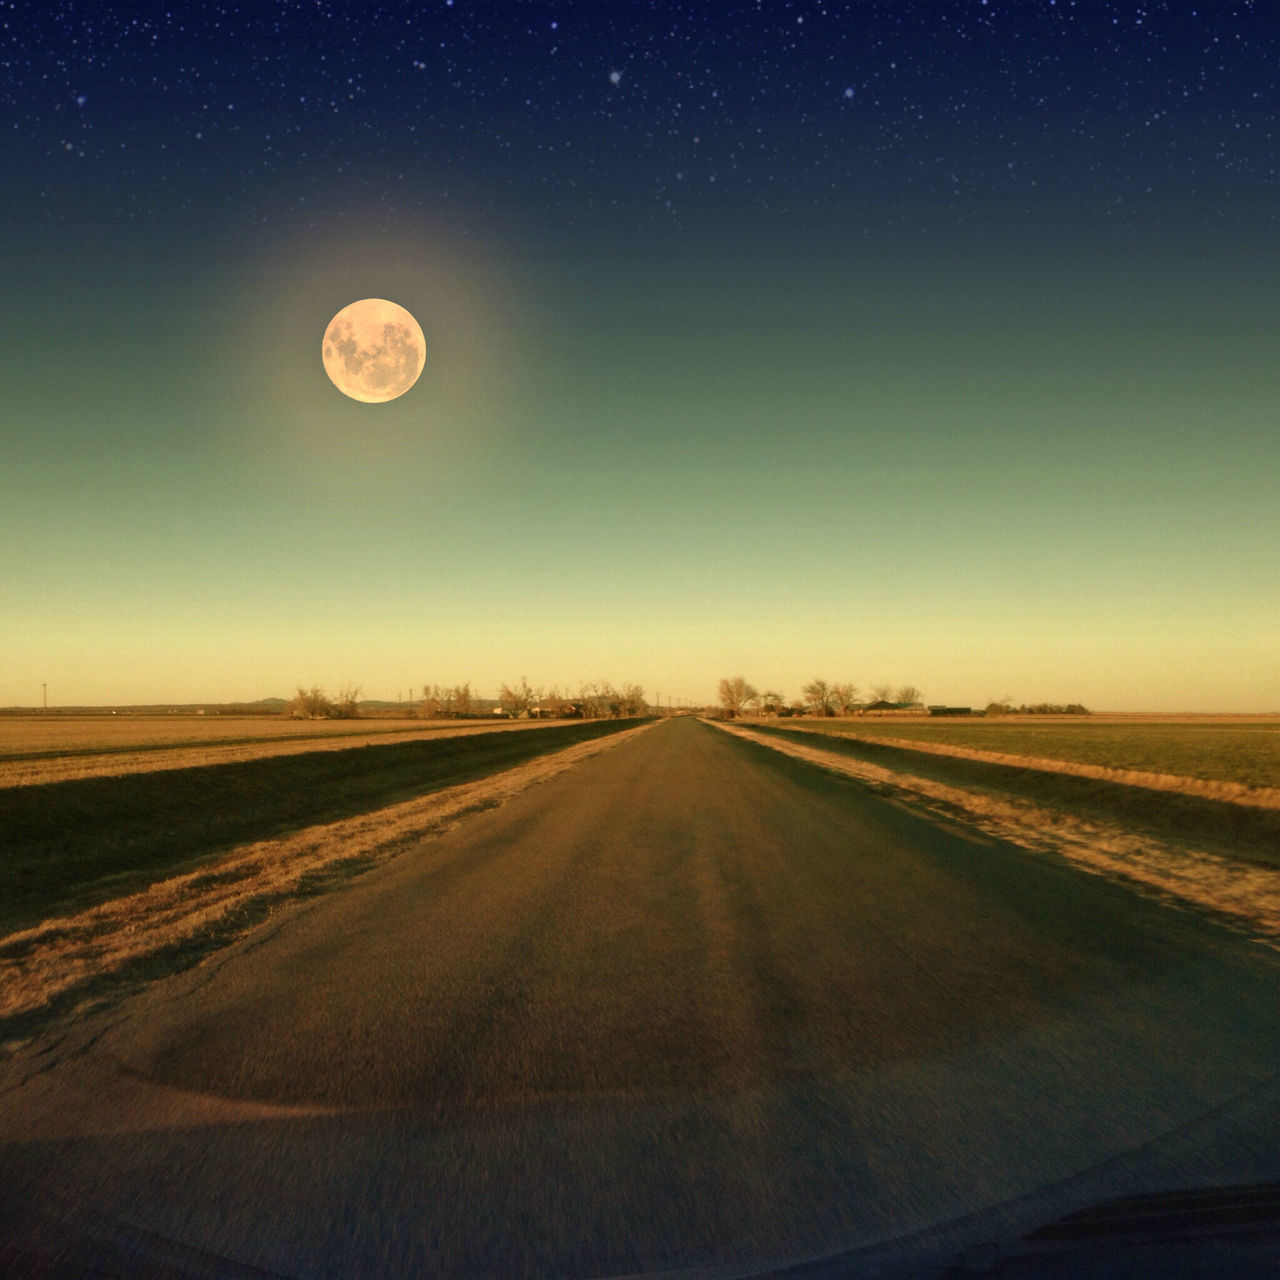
[{"x": 882, "y": 342}]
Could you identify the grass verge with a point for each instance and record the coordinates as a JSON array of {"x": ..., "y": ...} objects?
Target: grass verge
[
  {"x": 67, "y": 845},
  {"x": 1242, "y": 832},
  {"x": 1095, "y": 827}
]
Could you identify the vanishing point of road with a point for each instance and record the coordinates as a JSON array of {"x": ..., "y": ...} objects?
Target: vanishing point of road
[{"x": 691, "y": 1004}]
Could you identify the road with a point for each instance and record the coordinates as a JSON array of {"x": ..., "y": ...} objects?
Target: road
[{"x": 689, "y": 1005}]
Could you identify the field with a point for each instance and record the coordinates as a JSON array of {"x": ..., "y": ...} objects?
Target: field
[
  {"x": 1241, "y": 750},
  {"x": 32, "y": 736},
  {"x": 35, "y": 750},
  {"x": 82, "y": 839}
]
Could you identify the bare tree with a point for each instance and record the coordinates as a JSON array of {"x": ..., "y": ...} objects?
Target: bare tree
[
  {"x": 735, "y": 693},
  {"x": 313, "y": 702},
  {"x": 594, "y": 697},
  {"x": 613, "y": 701},
  {"x": 771, "y": 702},
  {"x": 460, "y": 696},
  {"x": 909, "y": 693},
  {"x": 633, "y": 701},
  {"x": 845, "y": 696},
  {"x": 346, "y": 705},
  {"x": 817, "y": 696},
  {"x": 517, "y": 700},
  {"x": 882, "y": 693}
]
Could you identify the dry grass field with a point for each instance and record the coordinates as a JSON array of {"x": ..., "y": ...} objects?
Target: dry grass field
[
  {"x": 118, "y": 823},
  {"x": 34, "y": 750},
  {"x": 26, "y": 735},
  {"x": 1239, "y": 751}
]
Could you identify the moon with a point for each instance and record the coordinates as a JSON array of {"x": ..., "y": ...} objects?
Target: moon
[{"x": 373, "y": 350}]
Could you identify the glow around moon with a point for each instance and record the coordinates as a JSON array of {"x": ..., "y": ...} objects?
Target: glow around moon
[{"x": 373, "y": 350}]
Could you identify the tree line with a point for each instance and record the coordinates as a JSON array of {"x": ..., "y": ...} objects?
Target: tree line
[
  {"x": 1005, "y": 707},
  {"x": 817, "y": 698},
  {"x": 316, "y": 704},
  {"x": 594, "y": 699}
]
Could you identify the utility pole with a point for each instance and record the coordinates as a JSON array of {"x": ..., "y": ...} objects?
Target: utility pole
[{"x": 44, "y": 689}]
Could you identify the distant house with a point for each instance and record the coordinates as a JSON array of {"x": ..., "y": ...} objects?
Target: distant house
[
  {"x": 883, "y": 708},
  {"x": 951, "y": 711},
  {"x": 556, "y": 711}
]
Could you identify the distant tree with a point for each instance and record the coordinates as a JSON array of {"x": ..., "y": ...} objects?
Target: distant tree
[
  {"x": 347, "y": 704},
  {"x": 817, "y": 696},
  {"x": 1000, "y": 707},
  {"x": 313, "y": 702},
  {"x": 881, "y": 693},
  {"x": 633, "y": 701},
  {"x": 593, "y": 696},
  {"x": 516, "y": 700},
  {"x": 460, "y": 699},
  {"x": 613, "y": 701},
  {"x": 604, "y": 697},
  {"x": 845, "y": 697},
  {"x": 771, "y": 702},
  {"x": 735, "y": 693},
  {"x": 908, "y": 693}
]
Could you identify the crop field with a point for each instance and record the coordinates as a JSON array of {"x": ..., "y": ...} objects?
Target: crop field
[
  {"x": 35, "y": 750},
  {"x": 100, "y": 834},
  {"x": 1239, "y": 750},
  {"x": 27, "y": 736}
]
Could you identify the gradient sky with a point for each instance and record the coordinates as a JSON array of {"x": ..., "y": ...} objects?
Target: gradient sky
[{"x": 886, "y": 342}]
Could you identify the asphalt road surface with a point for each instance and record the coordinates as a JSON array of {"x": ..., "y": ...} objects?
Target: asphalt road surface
[{"x": 692, "y": 1004}]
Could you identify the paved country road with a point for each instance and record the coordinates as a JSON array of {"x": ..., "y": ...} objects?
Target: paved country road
[{"x": 692, "y": 1004}]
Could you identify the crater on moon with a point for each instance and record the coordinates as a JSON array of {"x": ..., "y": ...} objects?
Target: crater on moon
[{"x": 373, "y": 350}]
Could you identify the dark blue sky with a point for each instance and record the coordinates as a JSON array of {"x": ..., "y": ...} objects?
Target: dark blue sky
[
  {"x": 884, "y": 342},
  {"x": 1085, "y": 121}
]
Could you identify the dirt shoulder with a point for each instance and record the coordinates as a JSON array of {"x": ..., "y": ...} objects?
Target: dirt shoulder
[{"x": 1195, "y": 851}]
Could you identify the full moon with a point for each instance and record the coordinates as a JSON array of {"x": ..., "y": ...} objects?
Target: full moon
[{"x": 373, "y": 350}]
